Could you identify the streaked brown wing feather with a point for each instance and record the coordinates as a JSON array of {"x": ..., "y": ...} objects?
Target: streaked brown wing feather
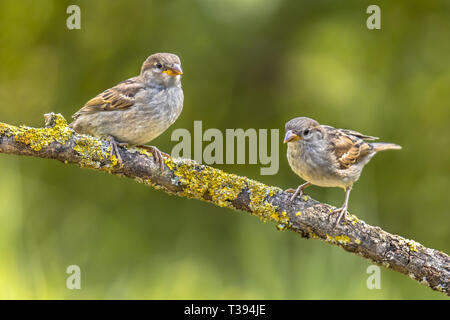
[
  {"x": 359, "y": 135},
  {"x": 348, "y": 148},
  {"x": 119, "y": 97}
]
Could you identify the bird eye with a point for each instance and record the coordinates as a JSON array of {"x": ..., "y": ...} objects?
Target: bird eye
[
  {"x": 306, "y": 132},
  {"x": 159, "y": 65}
]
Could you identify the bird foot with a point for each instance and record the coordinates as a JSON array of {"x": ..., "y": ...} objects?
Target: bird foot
[
  {"x": 342, "y": 214},
  {"x": 298, "y": 191},
  {"x": 295, "y": 192},
  {"x": 157, "y": 154},
  {"x": 114, "y": 146}
]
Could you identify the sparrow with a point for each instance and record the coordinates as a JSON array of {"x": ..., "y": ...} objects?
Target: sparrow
[
  {"x": 136, "y": 110},
  {"x": 328, "y": 157}
]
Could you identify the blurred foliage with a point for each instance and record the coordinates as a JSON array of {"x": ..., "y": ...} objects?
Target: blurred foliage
[{"x": 248, "y": 64}]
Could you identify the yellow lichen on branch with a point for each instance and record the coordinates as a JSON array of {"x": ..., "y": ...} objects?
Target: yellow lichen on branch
[
  {"x": 214, "y": 185},
  {"x": 92, "y": 152},
  {"x": 187, "y": 178},
  {"x": 39, "y": 138}
]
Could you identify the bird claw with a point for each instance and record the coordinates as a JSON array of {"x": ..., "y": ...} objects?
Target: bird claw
[
  {"x": 157, "y": 154},
  {"x": 295, "y": 194},
  {"x": 342, "y": 214},
  {"x": 298, "y": 192},
  {"x": 113, "y": 145}
]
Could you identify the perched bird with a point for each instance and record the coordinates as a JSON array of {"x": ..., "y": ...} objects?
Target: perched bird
[
  {"x": 136, "y": 110},
  {"x": 328, "y": 157}
]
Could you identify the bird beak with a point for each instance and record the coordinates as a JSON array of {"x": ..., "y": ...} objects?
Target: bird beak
[
  {"x": 174, "y": 70},
  {"x": 290, "y": 136}
]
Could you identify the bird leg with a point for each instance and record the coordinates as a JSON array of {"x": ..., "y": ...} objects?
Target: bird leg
[
  {"x": 157, "y": 154},
  {"x": 343, "y": 210},
  {"x": 113, "y": 145},
  {"x": 299, "y": 190}
]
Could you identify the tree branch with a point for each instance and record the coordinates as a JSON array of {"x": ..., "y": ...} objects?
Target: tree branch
[{"x": 182, "y": 177}]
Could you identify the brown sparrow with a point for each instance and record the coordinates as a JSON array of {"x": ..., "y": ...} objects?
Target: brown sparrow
[
  {"x": 136, "y": 110},
  {"x": 328, "y": 157}
]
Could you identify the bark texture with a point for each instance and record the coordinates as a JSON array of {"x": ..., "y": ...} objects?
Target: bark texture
[{"x": 307, "y": 217}]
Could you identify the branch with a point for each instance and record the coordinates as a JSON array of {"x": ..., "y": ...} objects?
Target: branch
[{"x": 182, "y": 177}]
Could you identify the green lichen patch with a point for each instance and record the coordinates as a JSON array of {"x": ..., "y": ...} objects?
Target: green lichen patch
[
  {"x": 114, "y": 160},
  {"x": 39, "y": 138},
  {"x": 440, "y": 288},
  {"x": 147, "y": 182},
  {"x": 260, "y": 204},
  {"x": 205, "y": 182},
  {"x": 3, "y": 128},
  {"x": 411, "y": 244},
  {"x": 216, "y": 186},
  {"x": 169, "y": 163},
  {"x": 283, "y": 221},
  {"x": 91, "y": 150},
  {"x": 145, "y": 152},
  {"x": 313, "y": 235},
  {"x": 354, "y": 219},
  {"x": 94, "y": 152},
  {"x": 340, "y": 239}
]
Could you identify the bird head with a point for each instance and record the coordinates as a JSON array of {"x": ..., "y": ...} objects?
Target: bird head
[
  {"x": 302, "y": 129},
  {"x": 162, "y": 69}
]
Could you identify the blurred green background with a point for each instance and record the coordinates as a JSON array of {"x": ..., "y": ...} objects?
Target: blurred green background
[{"x": 247, "y": 64}]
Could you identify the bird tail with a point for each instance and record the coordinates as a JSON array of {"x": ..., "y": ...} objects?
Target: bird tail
[{"x": 381, "y": 146}]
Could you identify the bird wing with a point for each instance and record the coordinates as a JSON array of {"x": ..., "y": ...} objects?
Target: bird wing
[
  {"x": 348, "y": 147},
  {"x": 119, "y": 97},
  {"x": 359, "y": 135}
]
